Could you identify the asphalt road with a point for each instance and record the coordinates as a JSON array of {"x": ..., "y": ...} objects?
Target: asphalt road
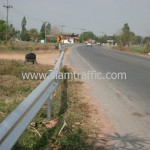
[{"x": 126, "y": 102}]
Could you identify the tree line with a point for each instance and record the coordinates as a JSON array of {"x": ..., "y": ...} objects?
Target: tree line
[
  {"x": 25, "y": 35},
  {"x": 126, "y": 37}
]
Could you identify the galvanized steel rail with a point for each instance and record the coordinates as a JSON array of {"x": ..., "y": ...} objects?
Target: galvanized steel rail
[{"x": 19, "y": 119}]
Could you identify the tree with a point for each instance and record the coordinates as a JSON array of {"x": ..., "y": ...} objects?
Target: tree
[
  {"x": 87, "y": 35},
  {"x": 12, "y": 32},
  {"x": 116, "y": 39},
  {"x": 146, "y": 40},
  {"x": 34, "y": 35},
  {"x": 43, "y": 28},
  {"x": 23, "y": 31},
  {"x": 42, "y": 31},
  {"x": 125, "y": 34},
  {"x": 103, "y": 39},
  {"x": 138, "y": 39},
  {"x": 2, "y": 29},
  {"x": 132, "y": 38},
  {"x": 147, "y": 43},
  {"x": 48, "y": 29}
]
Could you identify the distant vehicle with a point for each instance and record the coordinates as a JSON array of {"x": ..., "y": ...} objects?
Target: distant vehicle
[
  {"x": 89, "y": 44},
  {"x": 98, "y": 44}
]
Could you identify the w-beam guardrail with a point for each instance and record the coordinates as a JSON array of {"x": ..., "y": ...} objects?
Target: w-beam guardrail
[{"x": 18, "y": 120}]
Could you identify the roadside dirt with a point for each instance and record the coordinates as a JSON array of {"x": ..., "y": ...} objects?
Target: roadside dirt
[
  {"x": 97, "y": 120},
  {"x": 43, "y": 56},
  {"x": 67, "y": 53}
]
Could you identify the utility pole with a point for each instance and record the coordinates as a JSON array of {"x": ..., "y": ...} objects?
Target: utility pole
[
  {"x": 94, "y": 37},
  {"x": 45, "y": 29},
  {"x": 62, "y": 26},
  {"x": 45, "y": 32},
  {"x": 46, "y": 22},
  {"x": 82, "y": 35},
  {"x": 7, "y": 7}
]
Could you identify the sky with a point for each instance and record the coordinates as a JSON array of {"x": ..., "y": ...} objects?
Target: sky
[{"x": 99, "y": 16}]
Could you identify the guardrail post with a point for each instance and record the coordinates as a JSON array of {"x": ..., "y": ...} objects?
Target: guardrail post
[
  {"x": 18, "y": 120},
  {"x": 49, "y": 107},
  {"x": 59, "y": 47},
  {"x": 49, "y": 102}
]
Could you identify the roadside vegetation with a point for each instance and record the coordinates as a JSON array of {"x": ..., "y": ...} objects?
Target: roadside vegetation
[
  {"x": 29, "y": 35},
  {"x": 125, "y": 39},
  {"x": 141, "y": 49},
  {"x": 68, "y": 128},
  {"x": 22, "y": 47},
  {"x": 13, "y": 89},
  {"x": 144, "y": 49}
]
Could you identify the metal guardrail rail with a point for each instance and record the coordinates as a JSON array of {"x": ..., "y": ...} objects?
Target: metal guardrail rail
[{"x": 18, "y": 120}]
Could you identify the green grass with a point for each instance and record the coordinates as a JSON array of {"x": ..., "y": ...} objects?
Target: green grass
[
  {"x": 67, "y": 107},
  {"x": 138, "y": 48},
  {"x": 142, "y": 49}
]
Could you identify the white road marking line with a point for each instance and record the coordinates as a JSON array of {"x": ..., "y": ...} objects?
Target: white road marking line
[{"x": 84, "y": 60}]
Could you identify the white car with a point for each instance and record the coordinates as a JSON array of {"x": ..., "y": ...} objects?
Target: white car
[{"x": 89, "y": 44}]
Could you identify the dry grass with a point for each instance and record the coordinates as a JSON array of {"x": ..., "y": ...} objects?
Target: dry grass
[
  {"x": 26, "y": 46},
  {"x": 46, "y": 53},
  {"x": 69, "y": 106},
  {"x": 13, "y": 89}
]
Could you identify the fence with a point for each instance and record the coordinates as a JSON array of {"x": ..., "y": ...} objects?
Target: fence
[{"x": 18, "y": 120}]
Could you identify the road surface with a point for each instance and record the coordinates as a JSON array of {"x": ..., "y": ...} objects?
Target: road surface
[{"x": 127, "y": 101}]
